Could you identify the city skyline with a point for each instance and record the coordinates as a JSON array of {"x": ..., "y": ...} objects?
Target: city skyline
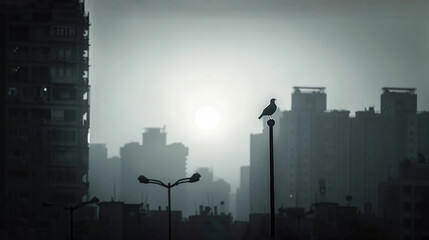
[
  {"x": 105, "y": 116},
  {"x": 155, "y": 63},
  {"x": 279, "y": 113}
]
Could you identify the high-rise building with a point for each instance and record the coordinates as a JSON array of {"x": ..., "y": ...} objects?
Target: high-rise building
[
  {"x": 380, "y": 141},
  {"x": 259, "y": 184},
  {"x": 399, "y": 106},
  {"x": 371, "y": 156},
  {"x": 403, "y": 202},
  {"x": 155, "y": 159},
  {"x": 242, "y": 197},
  {"x": 104, "y": 173},
  {"x": 329, "y": 156},
  {"x": 313, "y": 155},
  {"x": 45, "y": 108}
]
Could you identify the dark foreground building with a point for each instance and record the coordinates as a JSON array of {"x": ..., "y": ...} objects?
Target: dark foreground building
[
  {"x": 44, "y": 114},
  {"x": 404, "y": 202}
]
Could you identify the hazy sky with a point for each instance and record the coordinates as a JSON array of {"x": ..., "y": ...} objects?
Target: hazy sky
[{"x": 154, "y": 63}]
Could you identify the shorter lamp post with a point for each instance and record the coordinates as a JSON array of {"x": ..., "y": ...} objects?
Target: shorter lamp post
[
  {"x": 194, "y": 178},
  {"x": 71, "y": 209}
]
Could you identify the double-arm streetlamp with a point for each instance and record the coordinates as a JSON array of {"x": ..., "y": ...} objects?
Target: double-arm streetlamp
[
  {"x": 194, "y": 178},
  {"x": 71, "y": 209}
]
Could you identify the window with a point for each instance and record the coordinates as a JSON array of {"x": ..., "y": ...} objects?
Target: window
[
  {"x": 39, "y": 114},
  {"x": 17, "y": 173},
  {"x": 64, "y": 156},
  {"x": 12, "y": 91},
  {"x": 19, "y": 32},
  {"x": 41, "y": 74},
  {"x": 63, "y": 197},
  {"x": 13, "y": 112},
  {"x": 57, "y": 115},
  {"x": 63, "y": 136},
  {"x": 407, "y": 206},
  {"x": 62, "y": 72},
  {"x": 66, "y": 31},
  {"x": 407, "y": 237},
  {"x": 65, "y": 53},
  {"x": 70, "y": 115},
  {"x": 64, "y": 94},
  {"x": 18, "y": 74},
  {"x": 406, "y": 189},
  {"x": 406, "y": 223}
]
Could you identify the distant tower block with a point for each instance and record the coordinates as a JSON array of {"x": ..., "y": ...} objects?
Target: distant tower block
[
  {"x": 398, "y": 101},
  {"x": 309, "y": 99}
]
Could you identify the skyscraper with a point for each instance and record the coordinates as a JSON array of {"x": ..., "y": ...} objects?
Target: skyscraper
[
  {"x": 380, "y": 141},
  {"x": 313, "y": 151},
  {"x": 323, "y": 155},
  {"x": 45, "y": 107},
  {"x": 104, "y": 173},
  {"x": 242, "y": 199}
]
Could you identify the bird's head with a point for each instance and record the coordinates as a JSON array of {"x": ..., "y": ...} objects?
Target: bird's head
[{"x": 272, "y": 100}]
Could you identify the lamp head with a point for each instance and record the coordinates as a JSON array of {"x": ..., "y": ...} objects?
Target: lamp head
[
  {"x": 195, "y": 177},
  {"x": 143, "y": 179}
]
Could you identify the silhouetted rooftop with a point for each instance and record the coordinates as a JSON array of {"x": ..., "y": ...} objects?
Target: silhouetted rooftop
[
  {"x": 404, "y": 90},
  {"x": 309, "y": 89}
]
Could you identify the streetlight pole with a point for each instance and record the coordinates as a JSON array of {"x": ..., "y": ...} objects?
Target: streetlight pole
[
  {"x": 71, "y": 223},
  {"x": 169, "y": 211},
  {"x": 71, "y": 209},
  {"x": 194, "y": 178},
  {"x": 271, "y": 123}
]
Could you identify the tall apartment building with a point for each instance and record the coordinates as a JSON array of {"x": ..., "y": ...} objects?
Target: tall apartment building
[
  {"x": 325, "y": 155},
  {"x": 371, "y": 156},
  {"x": 45, "y": 107},
  {"x": 380, "y": 141},
  {"x": 403, "y": 202},
  {"x": 242, "y": 197},
  {"x": 313, "y": 151},
  {"x": 104, "y": 173}
]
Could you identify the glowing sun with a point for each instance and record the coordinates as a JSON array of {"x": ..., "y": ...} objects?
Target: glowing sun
[{"x": 207, "y": 118}]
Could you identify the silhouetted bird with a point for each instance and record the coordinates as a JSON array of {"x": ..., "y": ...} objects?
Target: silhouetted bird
[{"x": 270, "y": 109}]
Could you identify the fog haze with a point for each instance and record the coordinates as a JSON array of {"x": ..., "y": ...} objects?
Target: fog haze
[{"x": 154, "y": 63}]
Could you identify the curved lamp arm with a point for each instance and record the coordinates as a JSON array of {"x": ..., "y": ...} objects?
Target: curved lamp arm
[
  {"x": 145, "y": 180},
  {"x": 154, "y": 181},
  {"x": 194, "y": 178},
  {"x": 79, "y": 205},
  {"x": 50, "y": 204}
]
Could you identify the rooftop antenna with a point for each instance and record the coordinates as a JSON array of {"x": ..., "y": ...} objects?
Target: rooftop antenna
[
  {"x": 322, "y": 189},
  {"x": 114, "y": 191}
]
